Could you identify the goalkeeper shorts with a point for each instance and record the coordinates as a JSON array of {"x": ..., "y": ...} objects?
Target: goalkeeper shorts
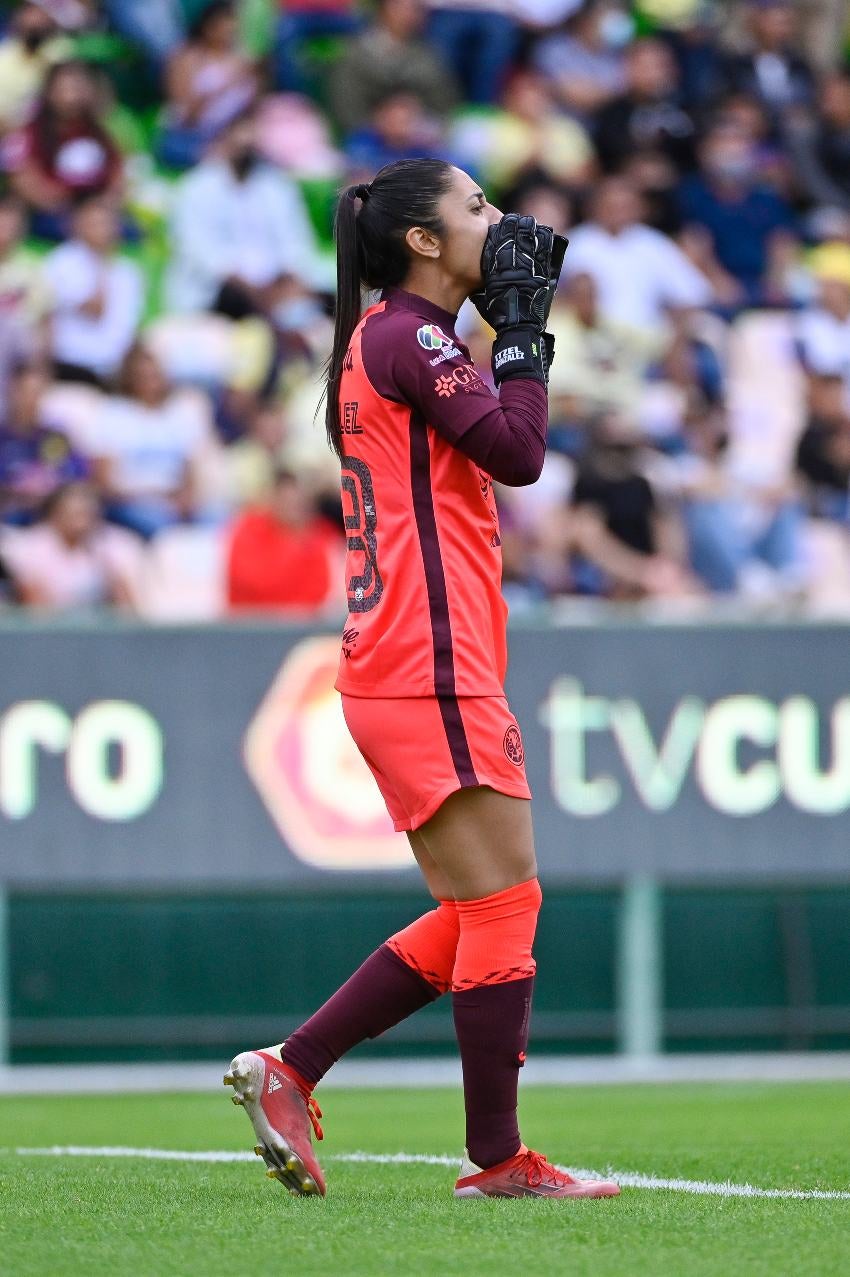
[{"x": 422, "y": 749}]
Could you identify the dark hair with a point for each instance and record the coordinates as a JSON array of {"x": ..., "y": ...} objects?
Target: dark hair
[
  {"x": 45, "y": 124},
  {"x": 125, "y": 381},
  {"x": 371, "y": 251},
  {"x": 207, "y": 16}
]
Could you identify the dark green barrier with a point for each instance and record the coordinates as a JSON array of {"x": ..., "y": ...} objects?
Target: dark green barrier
[{"x": 178, "y": 977}]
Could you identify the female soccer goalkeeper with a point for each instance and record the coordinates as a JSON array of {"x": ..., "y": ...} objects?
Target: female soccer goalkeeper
[{"x": 421, "y": 438}]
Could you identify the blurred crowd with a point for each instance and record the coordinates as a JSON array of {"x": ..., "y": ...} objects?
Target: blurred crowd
[{"x": 168, "y": 171}]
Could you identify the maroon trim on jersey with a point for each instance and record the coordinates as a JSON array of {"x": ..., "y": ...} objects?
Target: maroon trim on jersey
[
  {"x": 421, "y": 306},
  {"x": 504, "y": 435},
  {"x": 438, "y": 600}
]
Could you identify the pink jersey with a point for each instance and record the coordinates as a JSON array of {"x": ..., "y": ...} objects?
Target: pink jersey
[{"x": 424, "y": 437}]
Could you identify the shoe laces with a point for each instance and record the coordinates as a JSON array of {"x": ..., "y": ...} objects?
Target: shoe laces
[
  {"x": 537, "y": 1169},
  {"x": 314, "y": 1113}
]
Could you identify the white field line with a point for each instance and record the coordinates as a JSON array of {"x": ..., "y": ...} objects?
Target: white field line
[{"x": 627, "y": 1179}]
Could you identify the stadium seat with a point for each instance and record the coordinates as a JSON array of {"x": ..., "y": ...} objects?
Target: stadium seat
[
  {"x": 826, "y": 549},
  {"x": 183, "y": 578},
  {"x": 766, "y": 396},
  {"x": 73, "y": 409}
]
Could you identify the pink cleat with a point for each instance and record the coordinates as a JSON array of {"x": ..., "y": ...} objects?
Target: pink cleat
[
  {"x": 282, "y": 1114},
  {"x": 527, "y": 1174}
]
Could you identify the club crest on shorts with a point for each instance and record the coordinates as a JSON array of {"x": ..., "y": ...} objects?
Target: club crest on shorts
[
  {"x": 432, "y": 337},
  {"x": 513, "y": 746}
]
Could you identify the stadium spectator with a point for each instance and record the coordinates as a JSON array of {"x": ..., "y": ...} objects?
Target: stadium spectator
[
  {"x": 641, "y": 275},
  {"x": 283, "y": 557},
  {"x": 584, "y": 63},
  {"x": 823, "y": 451},
  {"x": 98, "y": 296},
  {"x": 548, "y": 201},
  {"x": 33, "y": 43},
  {"x": 253, "y": 460},
  {"x": 477, "y": 40},
  {"x": 823, "y": 328},
  {"x": 151, "y": 443},
  {"x": 35, "y": 459},
  {"x": 747, "y": 222},
  {"x": 694, "y": 35},
  {"x": 820, "y": 144},
  {"x": 771, "y": 68},
  {"x": 242, "y": 241},
  {"x": 299, "y": 22},
  {"x": 824, "y": 32},
  {"x": 742, "y": 537},
  {"x": 398, "y": 128},
  {"x": 610, "y": 484},
  {"x": 24, "y": 295},
  {"x": 648, "y": 115},
  {"x": 209, "y": 82},
  {"x": 71, "y": 559},
  {"x": 293, "y": 133},
  {"x": 65, "y": 152},
  {"x": 601, "y": 364},
  {"x": 390, "y": 56},
  {"x": 155, "y": 26},
  {"x": 527, "y": 132}
]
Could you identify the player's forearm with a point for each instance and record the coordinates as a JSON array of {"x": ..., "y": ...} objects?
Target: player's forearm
[{"x": 510, "y": 442}]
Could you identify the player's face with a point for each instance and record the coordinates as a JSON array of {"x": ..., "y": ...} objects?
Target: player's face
[{"x": 466, "y": 216}]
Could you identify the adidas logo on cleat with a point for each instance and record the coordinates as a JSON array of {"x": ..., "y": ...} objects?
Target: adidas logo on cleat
[{"x": 274, "y": 1084}]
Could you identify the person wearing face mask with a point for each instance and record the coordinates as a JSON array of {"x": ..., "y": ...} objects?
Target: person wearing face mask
[
  {"x": 747, "y": 223},
  {"x": 34, "y": 43},
  {"x": 242, "y": 241},
  {"x": 584, "y": 63}
]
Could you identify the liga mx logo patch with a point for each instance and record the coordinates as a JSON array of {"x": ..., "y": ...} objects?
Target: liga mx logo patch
[
  {"x": 432, "y": 337},
  {"x": 513, "y": 746}
]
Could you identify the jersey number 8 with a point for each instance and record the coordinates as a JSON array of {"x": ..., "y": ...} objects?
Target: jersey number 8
[{"x": 365, "y": 589}]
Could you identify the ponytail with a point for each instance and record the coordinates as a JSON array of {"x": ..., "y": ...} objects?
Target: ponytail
[
  {"x": 346, "y": 311},
  {"x": 371, "y": 252}
]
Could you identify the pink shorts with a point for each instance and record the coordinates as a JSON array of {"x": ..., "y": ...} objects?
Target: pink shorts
[{"x": 421, "y": 749}]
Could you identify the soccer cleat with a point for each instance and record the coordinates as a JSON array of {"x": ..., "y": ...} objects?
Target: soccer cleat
[
  {"x": 282, "y": 1116},
  {"x": 527, "y": 1174}
]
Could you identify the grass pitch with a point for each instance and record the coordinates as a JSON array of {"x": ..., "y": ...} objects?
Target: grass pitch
[{"x": 122, "y": 1216}]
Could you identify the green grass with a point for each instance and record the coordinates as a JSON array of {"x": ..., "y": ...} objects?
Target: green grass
[{"x": 157, "y": 1219}]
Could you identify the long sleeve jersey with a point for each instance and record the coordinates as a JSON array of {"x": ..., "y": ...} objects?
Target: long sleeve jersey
[{"x": 424, "y": 437}]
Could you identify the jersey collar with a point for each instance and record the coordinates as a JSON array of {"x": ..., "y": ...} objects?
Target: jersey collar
[{"x": 419, "y": 306}]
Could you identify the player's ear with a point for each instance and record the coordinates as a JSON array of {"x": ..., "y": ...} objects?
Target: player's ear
[{"x": 422, "y": 242}]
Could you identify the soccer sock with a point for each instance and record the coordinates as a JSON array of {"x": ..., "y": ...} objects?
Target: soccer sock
[
  {"x": 413, "y": 968},
  {"x": 492, "y": 984}
]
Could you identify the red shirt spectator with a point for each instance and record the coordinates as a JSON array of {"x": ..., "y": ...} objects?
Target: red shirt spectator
[
  {"x": 64, "y": 151},
  {"x": 282, "y": 557}
]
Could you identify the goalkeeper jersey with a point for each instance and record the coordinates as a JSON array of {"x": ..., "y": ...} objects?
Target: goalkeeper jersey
[{"x": 424, "y": 437}]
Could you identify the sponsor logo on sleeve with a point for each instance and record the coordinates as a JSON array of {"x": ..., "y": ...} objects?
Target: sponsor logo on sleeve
[
  {"x": 432, "y": 337},
  {"x": 465, "y": 376}
]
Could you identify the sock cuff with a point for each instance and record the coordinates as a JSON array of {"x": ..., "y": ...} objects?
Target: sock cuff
[
  {"x": 496, "y": 937},
  {"x": 522, "y": 896},
  {"x": 428, "y": 946}
]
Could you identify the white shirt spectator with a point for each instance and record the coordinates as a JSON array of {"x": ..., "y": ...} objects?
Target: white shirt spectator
[
  {"x": 66, "y": 576},
  {"x": 639, "y": 273},
  {"x": 257, "y": 229},
  {"x": 75, "y": 274},
  {"x": 824, "y": 342},
  {"x": 149, "y": 448}
]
